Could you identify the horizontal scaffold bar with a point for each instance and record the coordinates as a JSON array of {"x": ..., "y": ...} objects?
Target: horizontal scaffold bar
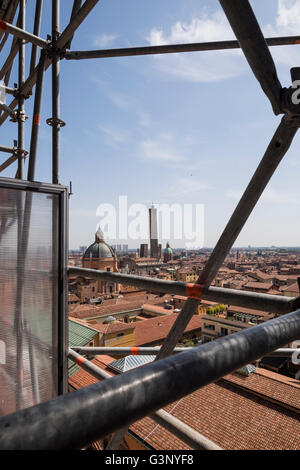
[
  {"x": 98, "y": 410},
  {"x": 120, "y": 351},
  {"x": 4, "y": 148},
  {"x": 173, "y": 48},
  {"x": 61, "y": 43},
  {"x": 268, "y": 303},
  {"x": 132, "y": 350},
  {"x": 174, "y": 425}
]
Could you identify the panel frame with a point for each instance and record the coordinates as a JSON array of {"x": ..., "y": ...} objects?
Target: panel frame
[{"x": 62, "y": 323}]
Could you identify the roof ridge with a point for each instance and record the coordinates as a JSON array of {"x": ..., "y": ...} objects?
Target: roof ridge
[{"x": 258, "y": 371}]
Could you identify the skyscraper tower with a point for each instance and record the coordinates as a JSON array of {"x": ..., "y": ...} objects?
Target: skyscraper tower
[{"x": 153, "y": 232}]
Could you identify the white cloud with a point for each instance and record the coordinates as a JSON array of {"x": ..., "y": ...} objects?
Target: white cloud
[
  {"x": 201, "y": 66},
  {"x": 273, "y": 196},
  {"x": 82, "y": 213},
  {"x": 189, "y": 185},
  {"x": 287, "y": 23},
  {"x": 114, "y": 136},
  {"x": 120, "y": 100},
  {"x": 288, "y": 17},
  {"x": 161, "y": 149},
  {"x": 105, "y": 40},
  {"x": 144, "y": 119},
  {"x": 212, "y": 66},
  {"x": 204, "y": 28}
]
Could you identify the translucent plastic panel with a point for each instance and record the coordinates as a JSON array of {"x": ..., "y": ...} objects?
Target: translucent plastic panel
[{"x": 28, "y": 298}]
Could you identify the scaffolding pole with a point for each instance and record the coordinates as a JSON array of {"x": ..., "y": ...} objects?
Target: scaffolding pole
[
  {"x": 144, "y": 351},
  {"x": 173, "y": 48},
  {"x": 8, "y": 162},
  {"x": 276, "y": 150},
  {"x": 61, "y": 43},
  {"x": 21, "y": 99},
  {"x": 269, "y": 303},
  {"x": 20, "y": 33},
  {"x": 36, "y": 32},
  {"x": 4, "y": 148},
  {"x": 166, "y": 420},
  {"x": 55, "y": 121},
  {"x": 36, "y": 118},
  {"x": 247, "y": 31},
  {"x": 123, "y": 351},
  {"x": 97, "y": 410}
]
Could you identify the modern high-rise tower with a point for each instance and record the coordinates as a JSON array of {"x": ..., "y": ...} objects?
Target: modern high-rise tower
[{"x": 154, "y": 252}]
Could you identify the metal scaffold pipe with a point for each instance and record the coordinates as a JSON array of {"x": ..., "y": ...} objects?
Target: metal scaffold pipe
[
  {"x": 21, "y": 100},
  {"x": 122, "y": 351},
  {"x": 174, "y": 425},
  {"x": 61, "y": 43},
  {"x": 4, "y": 148},
  {"x": 275, "y": 152},
  {"x": 173, "y": 48},
  {"x": 36, "y": 118},
  {"x": 269, "y": 303},
  {"x": 97, "y": 410},
  {"x": 36, "y": 32},
  {"x": 55, "y": 93},
  {"x": 247, "y": 31},
  {"x": 22, "y": 34}
]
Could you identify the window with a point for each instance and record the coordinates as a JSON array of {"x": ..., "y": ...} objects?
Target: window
[{"x": 119, "y": 335}]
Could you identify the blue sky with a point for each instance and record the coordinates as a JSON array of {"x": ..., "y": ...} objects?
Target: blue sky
[{"x": 187, "y": 128}]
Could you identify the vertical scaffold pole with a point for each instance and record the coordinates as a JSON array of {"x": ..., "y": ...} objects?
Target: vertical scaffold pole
[
  {"x": 55, "y": 93},
  {"x": 36, "y": 32},
  {"x": 36, "y": 118},
  {"x": 21, "y": 107}
]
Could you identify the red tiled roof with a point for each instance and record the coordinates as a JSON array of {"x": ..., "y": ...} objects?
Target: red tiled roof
[
  {"x": 109, "y": 307},
  {"x": 292, "y": 287},
  {"x": 83, "y": 379},
  {"x": 283, "y": 390},
  {"x": 227, "y": 412},
  {"x": 156, "y": 329},
  {"x": 72, "y": 298},
  {"x": 230, "y": 417},
  {"x": 155, "y": 309},
  {"x": 112, "y": 327},
  {"x": 248, "y": 311},
  {"x": 259, "y": 285}
]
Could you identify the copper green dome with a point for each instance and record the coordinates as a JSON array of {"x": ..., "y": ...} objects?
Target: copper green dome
[
  {"x": 168, "y": 249},
  {"x": 99, "y": 249}
]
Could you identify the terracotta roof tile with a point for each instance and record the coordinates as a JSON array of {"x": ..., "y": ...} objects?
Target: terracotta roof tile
[
  {"x": 112, "y": 327},
  {"x": 231, "y": 416},
  {"x": 156, "y": 329}
]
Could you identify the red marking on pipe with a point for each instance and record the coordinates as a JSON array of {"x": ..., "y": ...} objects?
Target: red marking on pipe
[
  {"x": 297, "y": 41},
  {"x": 134, "y": 351},
  {"x": 80, "y": 360},
  {"x": 3, "y": 25},
  {"x": 194, "y": 291},
  {"x": 37, "y": 119}
]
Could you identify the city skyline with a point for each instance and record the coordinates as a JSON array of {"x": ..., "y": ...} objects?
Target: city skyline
[{"x": 168, "y": 122}]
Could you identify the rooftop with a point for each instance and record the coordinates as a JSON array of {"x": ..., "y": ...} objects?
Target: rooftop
[{"x": 156, "y": 329}]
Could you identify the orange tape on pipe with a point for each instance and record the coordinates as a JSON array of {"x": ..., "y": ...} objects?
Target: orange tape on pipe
[
  {"x": 134, "y": 351},
  {"x": 194, "y": 291},
  {"x": 80, "y": 360}
]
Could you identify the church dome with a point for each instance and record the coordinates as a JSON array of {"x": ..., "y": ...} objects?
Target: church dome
[
  {"x": 99, "y": 249},
  {"x": 168, "y": 249}
]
